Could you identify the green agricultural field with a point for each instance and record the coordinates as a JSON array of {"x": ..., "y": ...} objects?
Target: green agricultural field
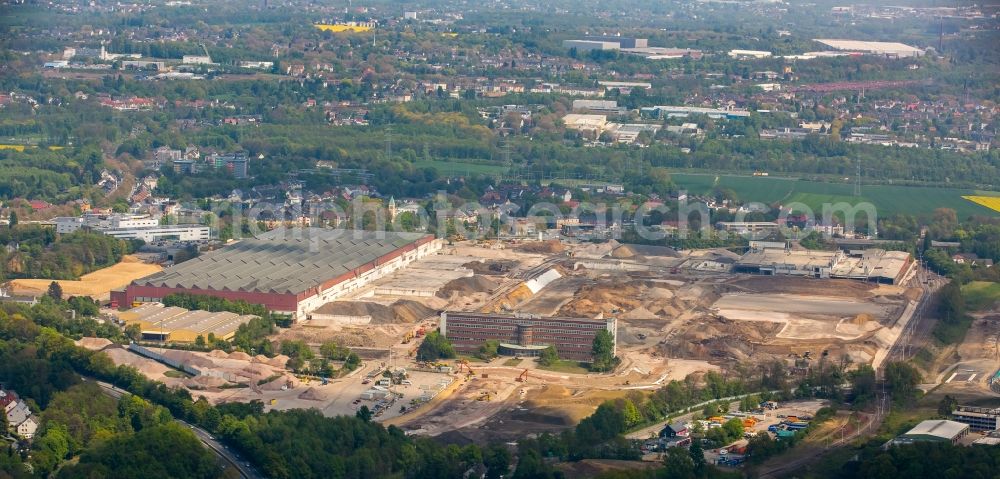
[
  {"x": 888, "y": 199},
  {"x": 980, "y": 295}
]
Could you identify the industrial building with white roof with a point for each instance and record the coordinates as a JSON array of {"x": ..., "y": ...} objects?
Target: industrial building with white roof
[{"x": 288, "y": 271}]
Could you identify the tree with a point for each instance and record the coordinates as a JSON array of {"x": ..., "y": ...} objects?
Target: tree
[
  {"x": 496, "y": 458},
  {"x": 167, "y": 450},
  {"x": 697, "y": 456},
  {"x": 549, "y": 356},
  {"x": 12, "y": 220},
  {"x": 133, "y": 331},
  {"x": 55, "y": 291},
  {"x": 631, "y": 413},
  {"x": 677, "y": 464},
  {"x": 902, "y": 379},
  {"x": 490, "y": 349},
  {"x": 947, "y": 405},
  {"x": 199, "y": 341},
  {"x": 434, "y": 347},
  {"x": 862, "y": 384},
  {"x": 364, "y": 414},
  {"x": 603, "y": 351}
]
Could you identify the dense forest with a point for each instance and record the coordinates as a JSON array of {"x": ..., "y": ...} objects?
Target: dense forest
[{"x": 38, "y": 252}]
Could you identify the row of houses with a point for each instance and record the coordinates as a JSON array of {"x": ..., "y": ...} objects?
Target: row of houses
[{"x": 19, "y": 417}]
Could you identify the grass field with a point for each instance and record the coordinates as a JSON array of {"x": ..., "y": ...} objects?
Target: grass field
[
  {"x": 97, "y": 284},
  {"x": 512, "y": 362},
  {"x": 980, "y": 295},
  {"x": 991, "y": 202},
  {"x": 566, "y": 366},
  {"x": 888, "y": 199}
]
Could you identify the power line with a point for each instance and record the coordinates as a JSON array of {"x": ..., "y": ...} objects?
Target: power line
[{"x": 857, "y": 179}]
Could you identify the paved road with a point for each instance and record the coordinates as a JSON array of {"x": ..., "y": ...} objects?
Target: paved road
[
  {"x": 646, "y": 432},
  {"x": 246, "y": 471}
]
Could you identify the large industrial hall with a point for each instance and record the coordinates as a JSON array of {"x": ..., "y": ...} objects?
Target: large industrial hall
[{"x": 288, "y": 271}]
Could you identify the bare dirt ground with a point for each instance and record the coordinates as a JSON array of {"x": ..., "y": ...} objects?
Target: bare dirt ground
[
  {"x": 97, "y": 284},
  {"x": 673, "y": 321},
  {"x": 963, "y": 372}
]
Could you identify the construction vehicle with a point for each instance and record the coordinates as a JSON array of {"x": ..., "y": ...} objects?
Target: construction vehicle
[
  {"x": 421, "y": 332},
  {"x": 463, "y": 365},
  {"x": 523, "y": 377},
  {"x": 274, "y": 401},
  {"x": 407, "y": 337},
  {"x": 485, "y": 396}
]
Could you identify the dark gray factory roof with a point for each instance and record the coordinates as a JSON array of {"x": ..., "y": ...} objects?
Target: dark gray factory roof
[{"x": 281, "y": 261}]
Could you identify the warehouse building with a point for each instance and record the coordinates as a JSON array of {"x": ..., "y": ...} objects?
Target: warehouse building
[
  {"x": 525, "y": 335},
  {"x": 664, "y": 111},
  {"x": 978, "y": 418},
  {"x": 587, "y": 45},
  {"x": 288, "y": 271},
  {"x": 887, "y": 49},
  {"x": 939, "y": 430},
  {"x": 887, "y": 267},
  {"x": 160, "y": 323},
  {"x": 623, "y": 42},
  {"x": 605, "y": 43}
]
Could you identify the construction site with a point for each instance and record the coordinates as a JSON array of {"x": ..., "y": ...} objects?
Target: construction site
[{"x": 673, "y": 314}]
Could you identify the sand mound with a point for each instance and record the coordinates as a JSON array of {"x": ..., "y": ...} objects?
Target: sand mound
[
  {"x": 659, "y": 293},
  {"x": 407, "y": 311},
  {"x": 278, "y": 361},
  {"x": 402, "y": 311},
  {"x": 285, "y": 380},
  {"x": 94, "y": 344},
  {"x": 543, "y": 247},
  {"x": 313, "y": 394},
  {"x": 260, "y": 358},
  {"x": 218, "y": 353},
  {"x": 472, "y": 284},
  {"x": 201, "y": 382},
  {"x": 434, "y": 302},
  {"x": 186, "y": 357},
  {"x": 240, "y": 355},
  {"x": 639, "y": 313},
  {"x": 605, "y": 297},
  {"x": 861, "y": 319}
]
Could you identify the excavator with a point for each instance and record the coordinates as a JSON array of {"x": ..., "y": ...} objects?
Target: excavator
[
  {"x": 463, "y": 365},
  {"x": 523, "y": 377}
]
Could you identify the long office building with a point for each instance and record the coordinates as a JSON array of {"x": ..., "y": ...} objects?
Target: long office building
[
  {"x": 126, "y": 226},
  {"x": 525, "y": 335},
  {"x": 288, "y": 271},
  {"x": 978, "y": 418},
  {"x": 663, "y": 111}
]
